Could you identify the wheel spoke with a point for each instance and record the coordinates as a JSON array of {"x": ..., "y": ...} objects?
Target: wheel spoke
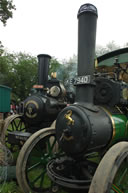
[
  {"x": 116, "y": 189},
  {"x": 33, "y": 167},
  {"x": 42, "y": 179},
  {"x": 15, "y": 126},
  {"x": 10, "y": 130},
  {"x": 54, "y": 142},
  {"x": 37, "y": 178},
  {"x": 12, "y": 126},
  {"x": 22, "y": 129},
  {"x": 19, "y": 124},
  {"x": 51, "y": 146}
]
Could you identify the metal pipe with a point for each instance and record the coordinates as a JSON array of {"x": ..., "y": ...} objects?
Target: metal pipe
[
  {"x": 43, "y": 68},
  {"x": 87, "y": 20}
]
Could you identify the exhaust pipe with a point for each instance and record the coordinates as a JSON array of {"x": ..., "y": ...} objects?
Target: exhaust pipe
[
  {"x": 87, "y": 20},
  {"x": 43, "y": 68}
]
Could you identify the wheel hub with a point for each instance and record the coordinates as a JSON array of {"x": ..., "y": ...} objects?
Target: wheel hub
[{"x": 69, "y": 173}]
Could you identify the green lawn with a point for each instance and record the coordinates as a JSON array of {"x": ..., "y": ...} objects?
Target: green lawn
[{"x": 9, "y": 187}]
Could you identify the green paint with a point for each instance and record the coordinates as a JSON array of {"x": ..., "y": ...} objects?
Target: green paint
[
  {"x": 121, "y": 128},
  {"x": 116, "y": 189},
  {"x": 5, "y": 93},
  {"x": 122, "y": 58},
  {"x": 120, "y": 182}
]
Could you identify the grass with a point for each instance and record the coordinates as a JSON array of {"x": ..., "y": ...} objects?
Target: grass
[{"x": 10, "y": 187}]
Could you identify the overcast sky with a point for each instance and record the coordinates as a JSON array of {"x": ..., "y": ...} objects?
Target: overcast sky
[{"x": 50, "y": 26}]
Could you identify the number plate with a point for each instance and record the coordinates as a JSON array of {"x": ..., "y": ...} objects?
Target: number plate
[
  {"x": 79, "y": 80},
  {"x": 82, "y": 80}
]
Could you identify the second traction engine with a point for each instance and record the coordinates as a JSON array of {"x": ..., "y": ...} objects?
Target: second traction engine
[{"x": 49, "y": 97}]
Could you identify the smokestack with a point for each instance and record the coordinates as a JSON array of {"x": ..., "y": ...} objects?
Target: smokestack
[
  {"x": 87, "y": 19},
  {"x": 43, "y": 68}
]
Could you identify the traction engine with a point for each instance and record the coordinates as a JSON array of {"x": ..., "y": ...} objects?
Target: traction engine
[{"x": 38, "y": 110}]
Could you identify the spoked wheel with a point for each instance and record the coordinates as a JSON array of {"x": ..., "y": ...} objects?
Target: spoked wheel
[
  {"x": 111, "y": 175},
  {"x": 37, "y": 151},
  {"x": 13, "y": 125}
]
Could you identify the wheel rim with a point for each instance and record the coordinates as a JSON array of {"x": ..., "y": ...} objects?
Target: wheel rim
[
  {"x": 12, "y": 124},
  {"x": 16, "y": 124},
  {"x": 112, "y": 171},
  {"x": 37, "y": 151}
]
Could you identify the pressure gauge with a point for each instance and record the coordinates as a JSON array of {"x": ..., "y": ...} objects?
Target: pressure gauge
[{"x": 54, "y": 91}]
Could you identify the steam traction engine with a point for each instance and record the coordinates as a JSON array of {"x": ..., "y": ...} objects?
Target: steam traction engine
[
  {"x": 38, "y": 110},
  {"x": 92, "y": 133}
]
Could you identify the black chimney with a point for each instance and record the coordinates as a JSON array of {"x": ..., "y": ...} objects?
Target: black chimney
[
  {"x": 43, "y": 68},
  {"x": 87, "y": 20}
]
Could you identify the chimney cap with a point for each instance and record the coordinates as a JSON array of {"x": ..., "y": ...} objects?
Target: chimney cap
[
  {"x": 87, "y": 8},
  {"x": 44, "y": 55}
]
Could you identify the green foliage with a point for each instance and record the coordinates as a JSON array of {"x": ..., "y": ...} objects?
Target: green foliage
[
  {"x": 6, "y": 7},
  {"x": 9, "y": 187},
  {"x": 3, "y": 69},
  {"x": 54, "y": 65},
  {"x": 1, "y": 49},
  {"x": 18, "y": 71},
  {"x": 23, "y": 74}
]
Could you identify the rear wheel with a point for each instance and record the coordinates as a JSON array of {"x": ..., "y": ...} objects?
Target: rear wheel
[
  {"x": 13, "y": 124},
  {"x": 111, "y": 175}
]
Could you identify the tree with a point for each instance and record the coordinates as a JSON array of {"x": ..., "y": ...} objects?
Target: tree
[
  {"x": 111, "y": 46},
  {"x": 22, "y": 74},
  {"x": 18, "y": 71},
  {"x": 6, "y": 8},
  {"x": 1, "y": 49},
  {"x": 54, "y": 65},
  {"x": 3, "y": 66}
]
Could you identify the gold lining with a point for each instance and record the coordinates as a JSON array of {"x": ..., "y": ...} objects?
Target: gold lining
[
  {"x": 28, "y": 114},
  {"x": 33, "y": 102},
  {"x": 68, "y": 138}
]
